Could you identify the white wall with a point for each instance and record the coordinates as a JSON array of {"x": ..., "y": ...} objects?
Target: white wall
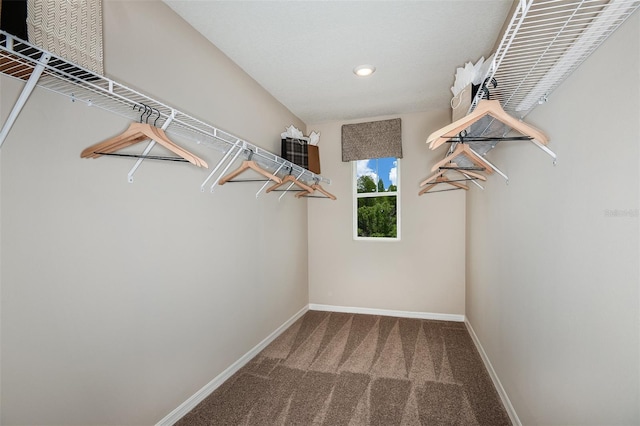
[
  {"x": 424, "y": 272},
  {"x": 120, "y": 301},
  {"x": 552, "y": 278}
]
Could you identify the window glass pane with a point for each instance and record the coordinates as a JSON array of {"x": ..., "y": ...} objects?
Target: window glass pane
[
  {"x": 377, "y": 217},
  {"x": 377, "y": 175}
]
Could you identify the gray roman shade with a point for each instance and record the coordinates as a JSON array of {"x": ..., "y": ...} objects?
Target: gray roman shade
[{"x": 375, "y": 139}]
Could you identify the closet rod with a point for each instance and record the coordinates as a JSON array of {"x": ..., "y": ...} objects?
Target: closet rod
[
  {"x": 21, "y": 60},
  {"x": 443, "y": 190},
  {"x": 248, "y": 180},
  {"x": 469, "y": 168},
  {"x": 145, "y": 157},
  {"x": 487, "y": 139}
]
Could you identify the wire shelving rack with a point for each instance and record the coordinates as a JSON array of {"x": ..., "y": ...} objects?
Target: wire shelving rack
[{"x": 22, "y": 60}]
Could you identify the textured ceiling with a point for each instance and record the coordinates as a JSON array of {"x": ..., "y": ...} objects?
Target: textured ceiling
[{"x": 303, "y": 52}]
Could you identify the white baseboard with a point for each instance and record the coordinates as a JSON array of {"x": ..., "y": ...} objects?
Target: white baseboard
[
  {"x": 386, "y": 312},
  {"x": 199, "y": 396},
  {"x": 494, "y": 377}
]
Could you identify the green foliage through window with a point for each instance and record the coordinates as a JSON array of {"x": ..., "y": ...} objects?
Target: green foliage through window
[
  {"x": 376, "y": 198},
  {"x": 377, "y": 217}
]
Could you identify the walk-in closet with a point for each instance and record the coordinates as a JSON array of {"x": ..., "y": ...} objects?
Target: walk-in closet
[{"x": 319, "y": 213}]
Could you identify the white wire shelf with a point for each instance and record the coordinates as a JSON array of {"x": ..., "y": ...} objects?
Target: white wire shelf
[
  {"x": 544, "y": 42},
  {"x": 19, "y": 59}
]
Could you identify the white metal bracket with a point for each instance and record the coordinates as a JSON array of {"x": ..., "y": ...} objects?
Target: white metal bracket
[
  {"x": 290, "y": 185},
  {"x": 497, "y": 170},
  {"x": 242, "y": 148},
  {"x": 26, "y": 92},
  {"x": 267, "y": 182},
  {"x": 220, "y": 163},
  {"x": 547, "y": 150},
  {"x": 473, "y": 181}
]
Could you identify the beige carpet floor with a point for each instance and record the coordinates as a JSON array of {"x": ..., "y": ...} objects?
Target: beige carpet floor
[{"x": 350, "y": 369}]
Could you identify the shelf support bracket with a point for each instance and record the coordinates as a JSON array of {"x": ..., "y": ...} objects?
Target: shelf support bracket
[
  {"x": 290, "y": 185},
  {"x": 547, "y": 150},
  {"x": 24, "y": 96},
  {"x": 233, "y": 160},
  {"x": 497, "y": 170},
  {"x": 268, "y": 181},
  {"x": 473, "y": 181},
  {"x": 220, "y": 163},
  {"x": 149, "y": 146}
]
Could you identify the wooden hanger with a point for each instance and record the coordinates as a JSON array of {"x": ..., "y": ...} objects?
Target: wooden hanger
[
  {"x": 463, "y": 149},
  {"x": 292, "y": 179},
  {"x": 432, "y": 177},
  {"x": 484, "y": 108},
  {"x": 246, "y": 165},
  {"x": 466, "y": 173},
  {"x": 443, "y": 179},
  {"x": 138, "y": 132},
  {"x": 319, "y": 188}
]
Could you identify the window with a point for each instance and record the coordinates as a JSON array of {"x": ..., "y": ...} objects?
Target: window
[{"x": 376, "y": 201}]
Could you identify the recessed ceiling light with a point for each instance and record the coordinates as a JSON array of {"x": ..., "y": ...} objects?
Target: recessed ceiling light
[{"x": 364, "y": 70}]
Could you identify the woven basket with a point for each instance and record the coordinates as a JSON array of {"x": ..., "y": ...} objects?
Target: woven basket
[{"x": 71, "y": 29}]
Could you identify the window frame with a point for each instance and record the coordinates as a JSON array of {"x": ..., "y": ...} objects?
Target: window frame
[{"x": 357, "y": 196}]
